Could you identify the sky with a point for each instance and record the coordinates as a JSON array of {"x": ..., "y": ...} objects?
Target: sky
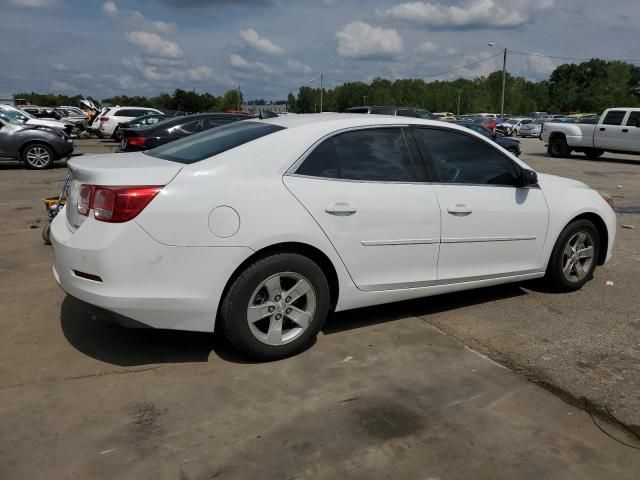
[{"x": 272, "y": 47}]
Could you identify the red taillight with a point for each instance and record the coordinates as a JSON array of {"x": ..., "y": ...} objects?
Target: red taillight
[
  {"x": 115, "y": 204},
  {"x": 136, "y": 141},
  {"x": 104, "y": 119},
  {"x": 84, "y": 199}
]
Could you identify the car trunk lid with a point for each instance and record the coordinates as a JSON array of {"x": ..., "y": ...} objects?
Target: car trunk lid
[{"x": 119, "y": 169}]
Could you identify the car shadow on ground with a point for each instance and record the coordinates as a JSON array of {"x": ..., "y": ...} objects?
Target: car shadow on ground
[
  {"x": 95, "y": 333},
  {"x": 369, "y": 316},
  {"x": 622, "y": 161},
  {"x": 15, "y": 165}
]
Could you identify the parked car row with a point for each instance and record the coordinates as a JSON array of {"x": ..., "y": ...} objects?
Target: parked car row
[{"x": 37, "y": 146}]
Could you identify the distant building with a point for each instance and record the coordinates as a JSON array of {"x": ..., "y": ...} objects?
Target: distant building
[
  {"x": 280, "y": 108},
  {"x": 7, "y": 99}
]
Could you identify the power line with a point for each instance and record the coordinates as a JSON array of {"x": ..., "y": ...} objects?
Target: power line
[
  {"x": 462, "y": 66},
  {"x": 531, "y": 54}
]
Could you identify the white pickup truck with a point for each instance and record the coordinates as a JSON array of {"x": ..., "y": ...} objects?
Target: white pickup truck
[{"x": 618, "y": 130}]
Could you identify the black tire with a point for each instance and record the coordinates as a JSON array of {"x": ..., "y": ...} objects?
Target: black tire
[
  {"x": 513, "y": 151},
  {"x": 555, "y": 275},
  {"x": 558, "y": 148},
  {"x": 234, "y": 307},
  {"x": 117, "y": 135},
  {"x": 46, "y": 234},
  {"x": 37, "y": 156},
  {"x": 593, "y": 153}
]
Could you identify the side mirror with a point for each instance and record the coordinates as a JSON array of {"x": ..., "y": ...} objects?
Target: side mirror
[{"x": 528, "y": 178}]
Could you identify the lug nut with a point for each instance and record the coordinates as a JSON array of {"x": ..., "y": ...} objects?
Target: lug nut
[
  {"x": 277, "y": 299},
  {"x": 278, "y": 317},
  {"x": 288, "y": 311},
  {"x": 271, "y": 309},
  {"x": 288, "y": 300}
]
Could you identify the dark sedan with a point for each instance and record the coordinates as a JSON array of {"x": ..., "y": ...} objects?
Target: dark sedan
[
  {"x": 509, "y": 144},
  {"x": 144, "y": 138},
  {"x": 145, "y": 120},
  {"x": 37, "y": 146}
]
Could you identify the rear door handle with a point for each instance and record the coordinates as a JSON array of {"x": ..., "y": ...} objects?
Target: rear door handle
[
  {"x": 340, "y": 209},
  {"x": 602, "y": 129},
  {"x": 460, "y": 209},
  {"x": 625, "y": 130}
]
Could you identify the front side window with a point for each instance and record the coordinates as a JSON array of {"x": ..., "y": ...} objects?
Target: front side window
[
  {"x": 462, "y": 159},
  {"x": 381, "y": 111},
  {"x": 614, "y": 117},
  {"x": 212, "y": 142}
]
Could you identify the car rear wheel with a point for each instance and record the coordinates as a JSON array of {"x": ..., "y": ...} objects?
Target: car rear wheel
[
  {"x": 276, "y": 307},
  {"x": 574, "y": 257},
  {"x": 117, "y": 135},
  {"x": 37, "y": 156},
  {"x": 558, "y": 148}
]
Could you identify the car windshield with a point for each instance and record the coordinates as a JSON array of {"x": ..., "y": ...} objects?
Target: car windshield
[
  {"x": 212, "y": 142},
  {"x": 8, "y": 119},
  {"x": 15, "y": 115}
]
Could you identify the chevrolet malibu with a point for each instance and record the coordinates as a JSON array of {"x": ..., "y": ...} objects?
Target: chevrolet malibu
[{"x": 260, "y": 228}]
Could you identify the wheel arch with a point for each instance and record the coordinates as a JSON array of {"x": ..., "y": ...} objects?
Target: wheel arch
[
  {"x": 601, "y": 226},
  {"x": 315, "y": 254},
  {"x": 28, "y": 143},
  {"x": 557, "y": 135}
]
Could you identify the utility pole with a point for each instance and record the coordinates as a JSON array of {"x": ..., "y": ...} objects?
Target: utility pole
[
  {"x": 504, "y": 80},
  {"x": 321, "y": 89},
  {"x": 364, "y": 100},
  {"x": 504, "y": 74},
  {"x": 238, "y": 97},
  {"x": 459, "y": 92}
]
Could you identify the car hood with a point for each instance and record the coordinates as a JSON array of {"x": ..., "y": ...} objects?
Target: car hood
[
  {"x": 547, "y": 180},
  {"x": 47, "y": 123}
]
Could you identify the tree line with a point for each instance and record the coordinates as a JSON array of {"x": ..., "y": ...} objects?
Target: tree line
[{"x": 590, "y": 86}]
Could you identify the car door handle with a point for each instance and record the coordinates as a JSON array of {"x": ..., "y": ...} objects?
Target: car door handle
[
  {"x": 340, "y": 209},
  {"x": 460, "y": 209},
  {"x": 602, "y": 129},
  {"x": 625, "y": 130}
]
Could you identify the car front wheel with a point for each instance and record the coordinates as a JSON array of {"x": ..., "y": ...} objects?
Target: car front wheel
[
  {"x": 37, "y": 156},
  {"x": 276, "y": 307},
  {"x": 574, "y": 257}
]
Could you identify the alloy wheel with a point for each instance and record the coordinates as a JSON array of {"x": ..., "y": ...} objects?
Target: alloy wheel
[
  {"x": 578, "y": 256},
  {"x": 38, "y": 157},
  {"x": 281, "y": 308}
]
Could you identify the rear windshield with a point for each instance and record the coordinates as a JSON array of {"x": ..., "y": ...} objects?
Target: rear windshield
[{"x": 212, "y": 142}]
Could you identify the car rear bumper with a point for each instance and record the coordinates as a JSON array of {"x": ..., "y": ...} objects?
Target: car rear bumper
[{"x": 120, "y": 268}]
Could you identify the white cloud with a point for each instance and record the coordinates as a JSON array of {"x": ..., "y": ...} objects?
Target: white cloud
[
  {"x": 110, "y": 8},
  {"x": 361, "y": 40},
  {"x": 202, "y": 73},
  {"x": 34, "y": 3},
  {"x": 298, "y": 67},
  {"x": 540, "y": 66},
  {"x": 427, "y": 47},
  {"x": 60, "y": 67},
  {"x": 472, "y": 14},
  {"x": 261, "y": 44},
  {"x": 63, "y": 86},
  {"x": 136, "y": 19},
  {"x": 83, "y": 75},
  {"x": 237, "y": 61},
  {"x": 154, "y": 45}
]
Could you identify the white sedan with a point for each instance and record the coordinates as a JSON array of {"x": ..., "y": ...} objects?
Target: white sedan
[{"x": 262, "y": 227}]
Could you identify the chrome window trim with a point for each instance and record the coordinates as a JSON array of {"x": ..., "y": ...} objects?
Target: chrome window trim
[{"x": 416, "y": 241}]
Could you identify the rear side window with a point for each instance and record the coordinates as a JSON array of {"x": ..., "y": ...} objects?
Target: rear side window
[
  {"x": 634, "y": 119},
  {"x": 459, "y": 158},
  {"x": 322, "y": 162},
  {"x": 212, "y": 142},
  {"x": 381, "y": 111},
  {"x": 379, "y": 154},
  {"x": 407, "y": 113},
  {"x": 614, "y": 117}
]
